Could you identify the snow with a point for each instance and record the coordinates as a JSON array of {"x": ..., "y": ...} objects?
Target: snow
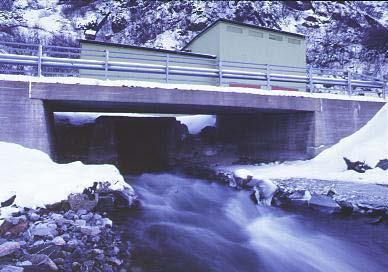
[
  {"x": 183, "y": 87},
  {"x": 37, "y": 181},
  {"x": 369, "y": 144},
  {"x": 195, "y": 123}
]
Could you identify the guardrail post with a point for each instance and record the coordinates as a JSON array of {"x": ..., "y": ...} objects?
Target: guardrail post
[
  {"x": 106, "y": 63},
  {"x": 167, "y": 67},
  {"x": 311, "y": 83},
  {"x": 40, "y": 54},
  {"x": 220, "y": 73},
  {"x": 268, "y": 77},
  {"x": 385, "y": 89},
  {"x": 349, "y": 83}
]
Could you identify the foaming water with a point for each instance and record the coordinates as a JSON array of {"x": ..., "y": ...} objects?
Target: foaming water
[{"x": 191, "y": 225}]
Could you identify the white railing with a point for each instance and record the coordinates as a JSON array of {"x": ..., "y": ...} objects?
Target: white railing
[{"x": 38, "y": 60}]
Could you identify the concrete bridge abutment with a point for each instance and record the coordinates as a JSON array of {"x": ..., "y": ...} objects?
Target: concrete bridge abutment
[
  {"x": 25, "y": 121},
  {"x": 272, "y": 136}
]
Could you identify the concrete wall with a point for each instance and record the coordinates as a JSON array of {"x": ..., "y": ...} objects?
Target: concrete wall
[
  {"x": 25, "y": 121},
  {"x": 338, "y": 119},
  {"x": 267, "y": 137},
  {"x": 294, "y": 135}
]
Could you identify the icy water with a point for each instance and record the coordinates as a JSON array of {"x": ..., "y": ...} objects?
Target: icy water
[{"x": 185, "y": 224}]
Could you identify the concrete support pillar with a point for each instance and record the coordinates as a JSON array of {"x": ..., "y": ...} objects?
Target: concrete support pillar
[{"x": 25, "y": 121}]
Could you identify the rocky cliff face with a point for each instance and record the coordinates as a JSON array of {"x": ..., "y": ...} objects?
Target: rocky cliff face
[{"x": 350, "y": 34}]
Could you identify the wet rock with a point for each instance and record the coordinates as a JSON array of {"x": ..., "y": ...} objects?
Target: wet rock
[
  {"x": 357, "y": 166},
  {"x": 90, "y": 230},
  {"x": 11, "y": 268},
  {"x": 8, "y": 248},
  {"x": 324, "y": 204},
  {"x": 106, "y": 222},
  {"x": 81, "y": 202},
  {"x": 376, "y": 220},
  {"x": 106, "y": 203},
  {"x": 383, "y": 164}
]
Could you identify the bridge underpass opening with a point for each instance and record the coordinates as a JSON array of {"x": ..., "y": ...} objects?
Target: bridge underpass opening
[
  {"x": 135, "y": 143},
  {"x": 268, "y": 136}
]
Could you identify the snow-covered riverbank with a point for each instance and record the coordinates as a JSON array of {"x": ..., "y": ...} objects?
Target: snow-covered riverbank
[{"x": 36, "y": 180}]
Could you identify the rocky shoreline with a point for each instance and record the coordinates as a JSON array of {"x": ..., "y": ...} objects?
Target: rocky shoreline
[
  {"x": 344, "y": 198},
  {"x": 73, "y": 235}
]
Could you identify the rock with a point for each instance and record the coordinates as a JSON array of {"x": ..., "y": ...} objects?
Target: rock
[
  {"x": 376, "y": 220},
  {"x": 106, "y": 203},
  {"x": 56, "y": 216},
  {"x": 8, "y": 248},
  {"x": 300, "y": 197},
  {"x": 39, "y": 242},
  {"x": 76, "y": 266},
  {"x": 80, "y": 223},
  {"x": 72, "y": 243},
  {"x": 106, "y": 222},
  {"x": 324, "y": 204},
  {"x": 59, "y": 261},
  {"x": 87, "y": 217},
  {"x": 66, "y": 237},
  {"x": 90, "y": 230},
  {"x": 88, "y": 266},
  {"x": 11, "y": 268},
  {"x": 13, "y": 226},
  {"x": 44, "y": 229},
  {"x": 97, "y": 216},
  {"x": 357, "y": 166},
  {"x": 25, "y": 263},
  {"x": 41, "y": 260},
  {"x": 8, "y": 202},
  {"x": 81, "y": 202},
  {"x": 82, "y": 212},
  {"x": 34, "y": 216},
  {"x": 383, "y": 164},
  {"x": 59, "y": 241}
]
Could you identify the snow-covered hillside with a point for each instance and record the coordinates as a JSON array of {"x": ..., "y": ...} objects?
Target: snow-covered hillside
[{"x": 340, "y": 33}]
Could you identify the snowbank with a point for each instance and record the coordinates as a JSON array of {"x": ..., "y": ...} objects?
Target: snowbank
[
  {"x": 36, "y": 180},
  {"x": 369, "y": 144}
]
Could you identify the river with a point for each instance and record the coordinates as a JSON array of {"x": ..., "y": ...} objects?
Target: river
[{"x": 186, "y": 224}]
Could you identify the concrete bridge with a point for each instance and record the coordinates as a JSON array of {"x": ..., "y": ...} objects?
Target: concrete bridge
[{"x": 270, "y": 126}]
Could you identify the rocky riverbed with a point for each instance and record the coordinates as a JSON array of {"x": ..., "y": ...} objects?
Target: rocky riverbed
[
  {"x": 73, "y": 235},
  {"x": 42, "y": 240}
]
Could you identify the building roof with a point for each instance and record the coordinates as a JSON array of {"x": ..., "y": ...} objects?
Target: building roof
[
  {"x": 241, "y": 24},
  {"x": 149, "y": 49}
]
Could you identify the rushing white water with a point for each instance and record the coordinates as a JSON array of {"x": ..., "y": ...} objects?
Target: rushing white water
[{"x": 191, "y": 225}]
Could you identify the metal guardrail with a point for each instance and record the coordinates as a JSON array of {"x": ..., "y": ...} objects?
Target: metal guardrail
[{"x": 38, "y": 60}]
